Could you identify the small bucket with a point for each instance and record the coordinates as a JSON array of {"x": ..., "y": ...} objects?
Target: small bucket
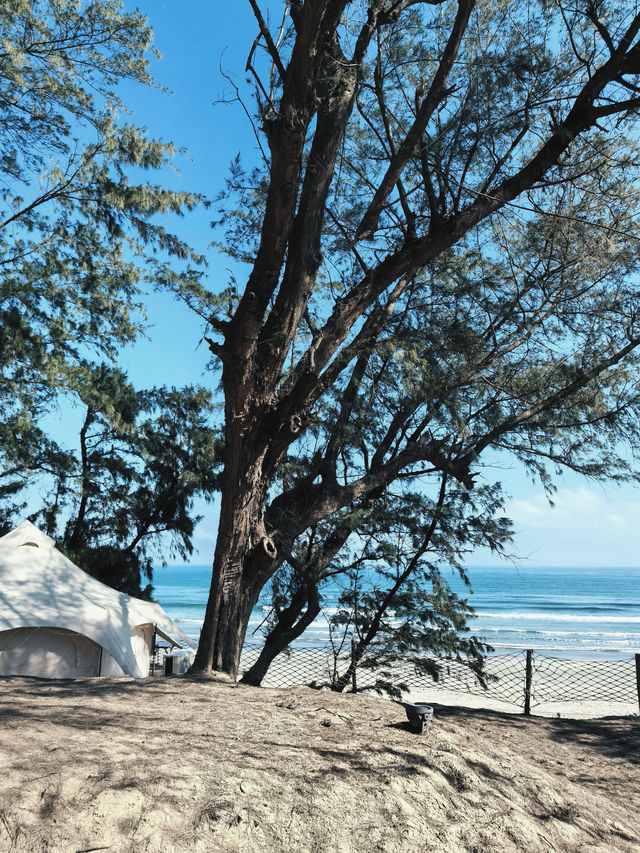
[{"x": 420, "y": 716}]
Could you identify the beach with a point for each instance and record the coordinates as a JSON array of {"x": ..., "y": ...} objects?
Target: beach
[
  {"x": 562, "y": 687},
  {"x": 183, "y": 765},
  {"x": 584, "y": 710},
  {"x": 170, "y": 765},
  {"x": 583, "y": 625}
]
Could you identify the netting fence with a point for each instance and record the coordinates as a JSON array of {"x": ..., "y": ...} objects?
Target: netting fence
[{"x": 524, "y": 679}]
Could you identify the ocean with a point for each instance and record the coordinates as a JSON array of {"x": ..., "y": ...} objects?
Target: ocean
[{"x": 588, "y": 613}]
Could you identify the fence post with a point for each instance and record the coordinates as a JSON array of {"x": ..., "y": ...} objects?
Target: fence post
[
  {"x": 638, "y": 677},
  {"x": 527, "y": 683},
  {"x": 354, "y": 685}
]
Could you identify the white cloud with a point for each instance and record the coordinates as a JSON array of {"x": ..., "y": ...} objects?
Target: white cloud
[
  {"x": 584, "y": 527},
  {"x": 574, "y": 509}
]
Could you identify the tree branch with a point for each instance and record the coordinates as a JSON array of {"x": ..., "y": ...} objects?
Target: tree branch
[
  {"x": 433, "y": 97},
  {"x": 264, "y": 30}
]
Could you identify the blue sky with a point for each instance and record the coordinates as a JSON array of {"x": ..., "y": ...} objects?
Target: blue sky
[{"x": 590, "y": 524}]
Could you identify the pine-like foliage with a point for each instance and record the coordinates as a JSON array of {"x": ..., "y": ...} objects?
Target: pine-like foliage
[
  {"x": 82, "y": 234},
  {"x": 125, "y": 500}
]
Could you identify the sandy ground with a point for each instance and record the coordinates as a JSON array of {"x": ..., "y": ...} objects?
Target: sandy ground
[
  {"x": 569, "y": 710},
  {"x": 171, "y": 765}
]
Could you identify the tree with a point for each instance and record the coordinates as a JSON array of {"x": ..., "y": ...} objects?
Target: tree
[
  {"x": 79, "y": 235},
  {"x": 145, "y": 455},
  {"x": 395, "y": 602},
  {"x": 416, "y": 623},
  {"x": 82, "y": 233},
  {"x": 464, "y": 179}
]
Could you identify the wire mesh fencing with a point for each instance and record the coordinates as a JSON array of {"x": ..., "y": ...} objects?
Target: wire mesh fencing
[
  {"x": 525, "y": 679},
  {"x": 589, "y": 680}
]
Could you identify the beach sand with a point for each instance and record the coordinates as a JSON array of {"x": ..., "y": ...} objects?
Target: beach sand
[
  {"x": 570, "y": 710},
  {"x": 170, "y": 765},
  {"x": 560, "y": 687}
]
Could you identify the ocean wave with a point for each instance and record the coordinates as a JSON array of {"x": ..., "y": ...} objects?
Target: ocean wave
[
  {"x": 597, "y": 630},
  {"x": 557, "y": 617},
  {"x": 620, "y": 649}
]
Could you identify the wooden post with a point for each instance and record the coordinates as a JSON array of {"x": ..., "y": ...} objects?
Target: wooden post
[
  {"x": 354, "y": 685},
  {"x": 527, "y": 683},
  {"x": 638, "y": 677}
]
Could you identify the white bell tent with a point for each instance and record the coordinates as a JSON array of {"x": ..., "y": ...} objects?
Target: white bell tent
[{"x": 56, "y": 621}]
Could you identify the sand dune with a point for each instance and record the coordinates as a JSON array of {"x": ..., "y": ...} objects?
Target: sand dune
[{"x": 173, "y": 765}]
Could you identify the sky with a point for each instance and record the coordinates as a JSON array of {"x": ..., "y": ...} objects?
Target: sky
[{"x": 588, "y": 525}]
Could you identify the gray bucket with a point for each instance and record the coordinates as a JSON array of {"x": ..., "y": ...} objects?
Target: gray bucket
[{"x": 419, "y": 715}]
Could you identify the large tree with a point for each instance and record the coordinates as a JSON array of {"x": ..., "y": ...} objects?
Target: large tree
[{"x": 447, "y": 186}]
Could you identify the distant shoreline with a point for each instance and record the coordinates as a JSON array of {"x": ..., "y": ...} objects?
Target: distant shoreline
[
  {"x": 562, "y": 653},
  {"x": 570, "y": 653},
  {"x": 572, "y": 613}
]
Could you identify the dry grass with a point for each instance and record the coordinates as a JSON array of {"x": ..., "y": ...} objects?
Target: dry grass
[{"x": 172, "y": 765}]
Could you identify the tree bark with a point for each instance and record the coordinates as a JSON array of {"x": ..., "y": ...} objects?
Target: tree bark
[
  {"x": 245, "y": 558},
  {"x": 75, "y": 538}
]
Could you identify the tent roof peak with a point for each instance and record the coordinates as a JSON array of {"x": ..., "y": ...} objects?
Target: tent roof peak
[{"x": 27, "y": 533}]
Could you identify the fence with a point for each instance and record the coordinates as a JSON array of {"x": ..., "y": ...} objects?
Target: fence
[{"x": 525, "y": 680}]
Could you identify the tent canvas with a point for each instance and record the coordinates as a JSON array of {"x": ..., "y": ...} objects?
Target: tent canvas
[{"x": 56, "y": 621}]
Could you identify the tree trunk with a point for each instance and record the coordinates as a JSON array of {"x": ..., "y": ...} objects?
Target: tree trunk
[
  {"x": 347, "y": 676},
  {"x": 284, "y": 632},
  {"x": 75, "y": 537},
  {"x": 244, "y": 560}
]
